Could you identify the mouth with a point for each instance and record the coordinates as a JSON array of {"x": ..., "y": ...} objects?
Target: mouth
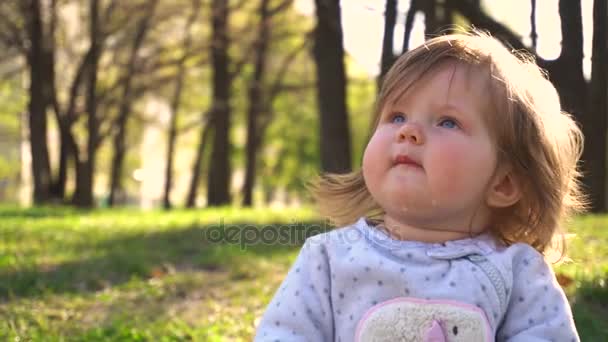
[{"x": 405, "y": 160}]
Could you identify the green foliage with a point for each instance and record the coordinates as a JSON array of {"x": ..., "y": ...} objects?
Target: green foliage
[
  {"x": 124, "y": 275},
  {"x": 588, "y": 250},
  {"x": 12, "y": 105},
  {"x": 8, "y": 168},
  {"x": 289, "y": 151},
  {"x": 361, "y": 104}
]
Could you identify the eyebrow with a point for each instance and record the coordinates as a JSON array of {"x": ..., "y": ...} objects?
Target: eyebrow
[
  {"x": 451, "y": 107},
  {"x": 436, "y": 107}
]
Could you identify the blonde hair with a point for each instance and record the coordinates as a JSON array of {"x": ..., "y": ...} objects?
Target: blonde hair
[{"x": 541, "y": 143}]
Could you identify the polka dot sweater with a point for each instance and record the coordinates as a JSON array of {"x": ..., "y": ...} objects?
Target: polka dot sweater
[{"x": 341, "y": 274}]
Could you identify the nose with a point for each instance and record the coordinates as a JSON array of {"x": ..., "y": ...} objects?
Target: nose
[{"x": 411, "y": 132}]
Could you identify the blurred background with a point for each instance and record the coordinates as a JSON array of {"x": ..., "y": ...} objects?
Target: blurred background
[
  {"x": 209, "y": 113},
  {"x": 203, "y": 103}
]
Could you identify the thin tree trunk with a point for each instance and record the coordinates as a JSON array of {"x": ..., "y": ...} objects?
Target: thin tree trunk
[
  {"x": 125, "y": 107},
  {"x": 198, "y": 161},
  {"x": 390, "y": 18},
  {"x": 91, "y": 104},
  {"x": 68, "y": 149},
  {"x": 218, "y": 184},
  {"x": 409, "y": 24},
  {"x": 594, "y": 123},
  {"x": 172, "y": 137},
  {"x": 41, "y": 170},
  {"x": 533, "y": 34},
  {"x": 59, "y": 183},
  {"x": 328, "y": 53},
  {"x": 177, "y": 95},
  {"x": 256, "y": 102},
  {"x": 83, "y": 195}
]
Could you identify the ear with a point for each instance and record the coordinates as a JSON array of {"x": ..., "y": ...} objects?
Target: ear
[{"x": 504, "y": 191}]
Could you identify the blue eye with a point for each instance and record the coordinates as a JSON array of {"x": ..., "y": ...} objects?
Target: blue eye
[
  {"x": 448, "y": 123},
  {"x": 398, "y": 118}
]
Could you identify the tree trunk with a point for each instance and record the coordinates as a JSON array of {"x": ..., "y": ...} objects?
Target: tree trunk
[
  {"x": 59, "y": 182},
  {"x": 125, "y": 106},
  {"x": 409, "y": 24},
  {"x": 256, "y": 103},
  {"x": 41, "y": 170},
  {"x": 533, "y": 34},
  {"x": 218, "y": 184},
  {"x": 172, "y": 137},
  {"x": 177, "y": 95},
  {"x": 390, "y": 18},
  {"x": 83, "y": 195},
  {"x": 431, "y": 20},
  {"x": 58, "y": 185},
  {"x": 438, "y": 16},
  {"x": 566, "y": 72},
  {"x": 331, "y": 88},
  {"x": 68, "y": 149},
  {"x": 84, "y": 185},
  {"x": 594, "y": 123},
  {"x": 198, "y": 162}
]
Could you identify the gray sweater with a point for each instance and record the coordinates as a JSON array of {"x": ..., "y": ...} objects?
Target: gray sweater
[{"x": 338, "y": 276}]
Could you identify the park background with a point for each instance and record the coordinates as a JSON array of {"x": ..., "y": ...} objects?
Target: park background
[{"x": 132, "y": 133}]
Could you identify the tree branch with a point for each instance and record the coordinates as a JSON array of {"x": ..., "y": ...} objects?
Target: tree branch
[
  {"x": 481, "y": 20},
  {"x": 276, "y": 85},
  {"x": 12, "y": 36},
  {"x": 279, "y": 8}
]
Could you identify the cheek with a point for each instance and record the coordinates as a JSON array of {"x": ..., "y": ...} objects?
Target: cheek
[
  {"x": 461, "y": 168},
  {"x": 373, "y": 157},
  {"x": 367, "y": 165}
]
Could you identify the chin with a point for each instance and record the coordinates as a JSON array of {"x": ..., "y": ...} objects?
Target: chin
[{"x": 407, "y": 203}]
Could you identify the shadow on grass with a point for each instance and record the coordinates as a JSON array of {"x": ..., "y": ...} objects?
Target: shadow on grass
[
  {"x": 210, "y": 248},
  {"x": 590, "y": 308}
]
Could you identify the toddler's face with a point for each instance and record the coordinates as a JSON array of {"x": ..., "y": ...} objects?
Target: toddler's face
[{"x": 431, "y": 158}]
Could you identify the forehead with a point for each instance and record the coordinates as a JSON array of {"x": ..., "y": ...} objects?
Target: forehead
[{"x": 450, "y": 83}]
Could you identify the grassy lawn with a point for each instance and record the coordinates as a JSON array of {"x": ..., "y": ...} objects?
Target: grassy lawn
[{"x": 68, "y": 275}]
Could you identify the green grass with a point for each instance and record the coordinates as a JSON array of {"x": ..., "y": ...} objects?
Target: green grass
[{"x": 124, "y": 275}]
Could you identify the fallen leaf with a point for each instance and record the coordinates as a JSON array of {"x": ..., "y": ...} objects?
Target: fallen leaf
[
  {"x": 157, "y": 272},
  {"x": 564, "y": 280}
]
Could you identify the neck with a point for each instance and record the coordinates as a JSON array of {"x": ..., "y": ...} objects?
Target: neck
[{"x": 403, "y": 231}]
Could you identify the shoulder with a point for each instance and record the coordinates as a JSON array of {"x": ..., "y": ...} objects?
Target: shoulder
[
  {"x": 523, "y": 254},
  {"x": 341, "y": 238},
  {"x": 521, "y": 257}
]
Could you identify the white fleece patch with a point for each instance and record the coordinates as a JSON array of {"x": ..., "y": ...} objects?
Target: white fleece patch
[{"x": 417, "y": 320}]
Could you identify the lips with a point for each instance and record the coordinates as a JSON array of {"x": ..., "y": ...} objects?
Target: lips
[{"x": 405, "y": 160}]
